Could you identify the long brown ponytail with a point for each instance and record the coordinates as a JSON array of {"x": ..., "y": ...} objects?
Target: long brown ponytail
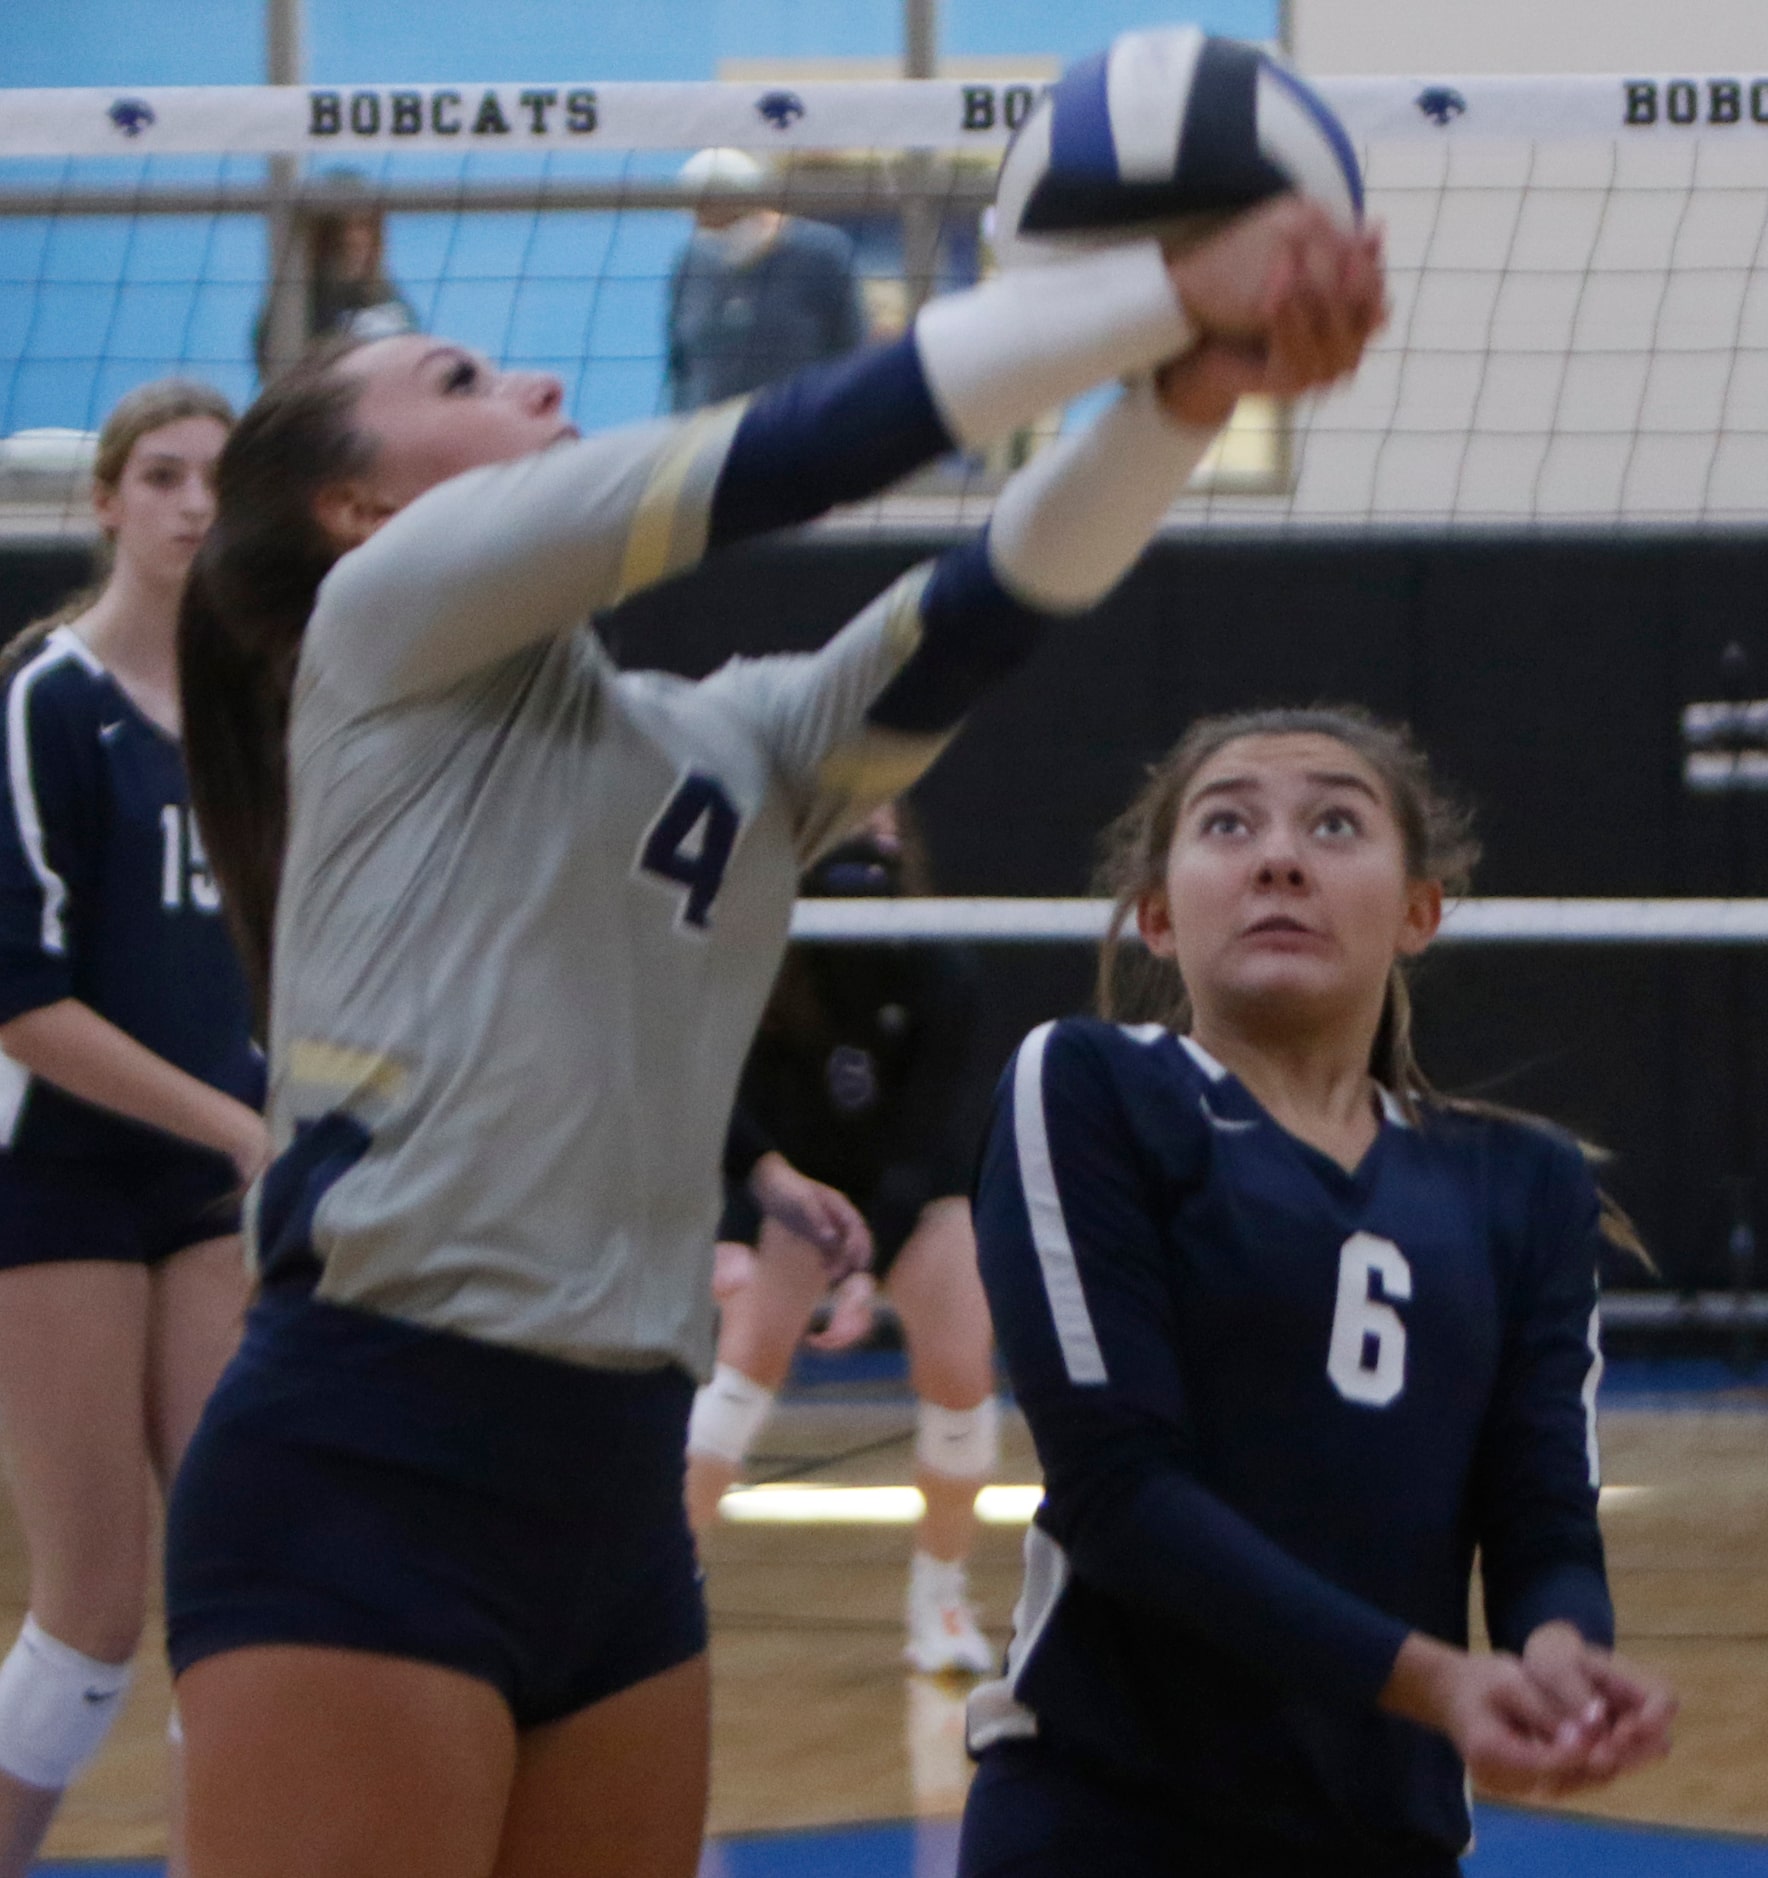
[
  {"x": 1436, "y": 831},
  {"x": 245, "y": 612}
]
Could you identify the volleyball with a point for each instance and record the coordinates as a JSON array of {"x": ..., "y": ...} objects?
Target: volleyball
[{"x": 1165, "y": 131}]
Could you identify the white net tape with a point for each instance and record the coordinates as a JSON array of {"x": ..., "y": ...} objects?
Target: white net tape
[
  {"x": 908, "y": 114},
  {"x": 1470, "y": 922}
]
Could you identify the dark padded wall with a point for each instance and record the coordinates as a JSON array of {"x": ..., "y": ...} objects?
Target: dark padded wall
[
  {"x": 35, "y": 577},
  {"x": 1546, "y": 678}
]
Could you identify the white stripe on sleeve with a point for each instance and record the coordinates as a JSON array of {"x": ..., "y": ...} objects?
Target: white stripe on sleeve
[
  {"x": 1043, "y": 1207},
  {"x": 24, "y": 794},
  {"x": 15, "y": 1084},
  {"x": 1593, "y": 1382}
]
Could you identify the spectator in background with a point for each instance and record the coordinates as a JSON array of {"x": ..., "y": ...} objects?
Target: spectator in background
[
  {"x": 757, "y": 293},
  {"x": 348, "y": 292}
]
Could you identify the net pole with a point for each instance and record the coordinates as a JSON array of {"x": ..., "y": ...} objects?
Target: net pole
[
  {"x": 920, "y": 219},
  {"x": 285, "y": 316}
]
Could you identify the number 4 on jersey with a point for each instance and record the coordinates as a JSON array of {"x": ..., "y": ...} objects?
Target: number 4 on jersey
[
  {"x": 1367, "y": 1360},
  {"x": 690, "y": 843}
]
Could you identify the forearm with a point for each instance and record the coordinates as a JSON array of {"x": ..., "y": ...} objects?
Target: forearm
[
  {"x": 1571, "y": 1591},
  {"x": 68, "y": 1044},
  {"x": 771, "y": 1176},
  {"x": 1164, "y": 1543},
  {"x": 978, "y": 365},
  {"x": 1065, "y": 530},
  {"x": 1421, "y": 1685},
  {"x": 1031, "y": 339},
  {"x": 1075, "y": 520}
]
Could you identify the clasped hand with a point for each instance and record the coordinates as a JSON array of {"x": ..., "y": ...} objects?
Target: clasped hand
[
  {"x": 1561, "y": 1717},
  {"x": 1284, "y": 302}
]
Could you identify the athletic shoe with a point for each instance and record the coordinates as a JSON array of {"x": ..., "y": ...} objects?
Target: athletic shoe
[{"x": 942, "y": 1629}]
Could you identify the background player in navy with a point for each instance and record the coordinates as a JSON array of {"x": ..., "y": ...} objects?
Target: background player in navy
[
  {"x": 860, "y": 1076},
  {"x": 128, "y": 1101},
  {"x": 525, "y": 909},
  {"x": 1295, "y": 1338}
]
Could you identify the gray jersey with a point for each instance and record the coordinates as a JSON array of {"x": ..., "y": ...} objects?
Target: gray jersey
[{"x": 532, "y": 906}]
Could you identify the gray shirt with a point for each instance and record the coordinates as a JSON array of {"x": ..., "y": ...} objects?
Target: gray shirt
[
  {"x": 532, "y": 905},
  {"x": 736, "y": 324}
]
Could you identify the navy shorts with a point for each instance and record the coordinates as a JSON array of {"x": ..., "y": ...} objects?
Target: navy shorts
[
  {"x": 124, "y": 1212},
  {"x": 363, "y": 1484},
  {"x": 1033, "y": 1813}
]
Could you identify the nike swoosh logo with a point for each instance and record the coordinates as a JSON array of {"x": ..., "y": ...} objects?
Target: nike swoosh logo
[
  {"x": 1223, "y": 1124},
  {"x": 96, "y": 1696},
  {"x": 107, "y": 731}
]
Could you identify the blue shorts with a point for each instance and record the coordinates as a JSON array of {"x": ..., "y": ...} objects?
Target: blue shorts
[
  {"x": 363, "y": 1484},
  {"x": 125, "y": 1212},
  {"x": 1034, "y": 1813}
]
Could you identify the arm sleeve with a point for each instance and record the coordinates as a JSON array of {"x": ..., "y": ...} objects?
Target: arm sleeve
[
  {"x": 1075, "y": 1270},
  {"x": 47, "y": 827},
  {"x": 858, "y": 722},
  {"x": 745, "y": 1142},
  {"x": 492, "y": 560},
  {"x": 1538, "y": 1472}
]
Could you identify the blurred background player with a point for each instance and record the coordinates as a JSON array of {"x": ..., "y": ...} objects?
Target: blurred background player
[
  {"x": 1294, "y": 1336},
  {"x": 129, "y": 1095},
  {"x": 349, "y": 295},
  {"x": 756, "y": 293},
  {"x": 519, "y": 957},
  {"x": 859, "y": 1077}
]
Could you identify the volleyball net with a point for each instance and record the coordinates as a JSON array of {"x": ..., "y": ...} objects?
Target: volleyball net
[{"x": 1580, "y": 308}]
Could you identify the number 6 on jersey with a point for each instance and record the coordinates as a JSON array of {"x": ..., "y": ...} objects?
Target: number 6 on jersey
[{"x": 1367, "y": 1361}]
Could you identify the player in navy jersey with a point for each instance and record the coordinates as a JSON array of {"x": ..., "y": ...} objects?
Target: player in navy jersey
[
  {"x": 1296, "y": 1338},
  {"x": 129, "y": 1098},
  {"x": 861, "y": 1077},
  {"x": 516, "y": 912}
]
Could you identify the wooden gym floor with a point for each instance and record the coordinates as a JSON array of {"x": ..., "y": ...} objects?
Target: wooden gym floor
[{"x": 817, "y": 1722}]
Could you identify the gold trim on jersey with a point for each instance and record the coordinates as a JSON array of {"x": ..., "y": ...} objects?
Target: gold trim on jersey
[
  {"x": 668, "y": 528},
  {"x": 345, "y": 1073},
  {"x": 879, "y": 765}
]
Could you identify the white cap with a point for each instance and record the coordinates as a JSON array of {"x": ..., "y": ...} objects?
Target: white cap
[{"x": 722, "y": 168}]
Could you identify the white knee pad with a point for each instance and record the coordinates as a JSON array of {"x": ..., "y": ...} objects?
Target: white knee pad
[
  {"x": 56, "y": 1707},
  {"x": 963, "y": 1444},
  {"x": 727, "y": 1416}
]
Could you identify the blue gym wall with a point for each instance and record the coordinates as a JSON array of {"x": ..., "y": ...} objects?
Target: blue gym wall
[
  {"x": 89, "y": 308},
  {"x": 221, "y": 42}
]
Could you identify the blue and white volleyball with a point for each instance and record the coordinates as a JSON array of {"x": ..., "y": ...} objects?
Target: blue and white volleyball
[{"x": 1168, "y": 127}]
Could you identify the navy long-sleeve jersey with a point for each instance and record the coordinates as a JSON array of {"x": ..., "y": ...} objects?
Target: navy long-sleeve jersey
[
  {"x": 105, "y": 896},
  {"x": 1279, "y": 1406}
]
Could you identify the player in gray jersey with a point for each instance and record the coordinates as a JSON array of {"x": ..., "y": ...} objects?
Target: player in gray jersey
[{"x": 526, "y": 910}]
